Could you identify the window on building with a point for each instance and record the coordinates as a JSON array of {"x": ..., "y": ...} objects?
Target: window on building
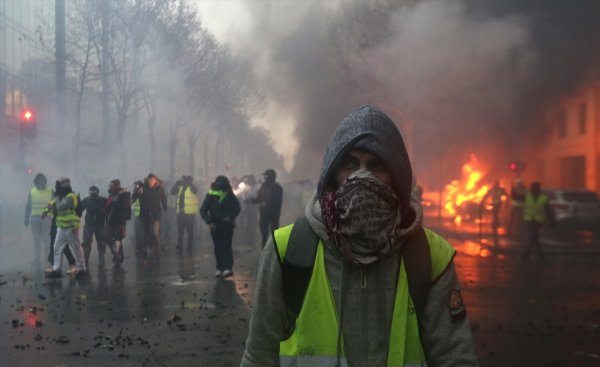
[
  {"x": 562, "y": 123},
  {"x": 582, "y": 118}
]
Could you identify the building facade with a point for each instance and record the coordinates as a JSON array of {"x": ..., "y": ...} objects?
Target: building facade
[{"x": 571, "y": 153}]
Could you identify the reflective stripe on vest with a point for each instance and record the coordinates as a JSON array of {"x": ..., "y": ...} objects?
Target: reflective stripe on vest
[
  {"x": 314, "y": 340},
  {"x": 535, "y": 209},
  {"x": 40, "y": 200},
  {"x": 190, "y": 204},
  {"x": 68, "y": 218}
]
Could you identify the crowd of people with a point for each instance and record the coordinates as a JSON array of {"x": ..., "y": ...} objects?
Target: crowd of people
[{"x": 54, "y": 216}]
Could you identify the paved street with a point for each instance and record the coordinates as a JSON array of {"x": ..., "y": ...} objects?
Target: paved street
[{"x": 175, "y": 313}]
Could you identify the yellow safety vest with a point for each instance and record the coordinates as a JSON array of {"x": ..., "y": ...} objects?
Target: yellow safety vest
[
  {"x": 136, "y": 207},
  {"x": 314, "y": 340},
  {"x": 67, "y": 218},
  {"x": 190, "y": 205},
  {"x": 40, "y": 200},
  {"x": 535, "y": 209}
]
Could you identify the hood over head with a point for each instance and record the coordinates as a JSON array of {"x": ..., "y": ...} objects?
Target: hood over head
[{"x": 372, "y": 130}]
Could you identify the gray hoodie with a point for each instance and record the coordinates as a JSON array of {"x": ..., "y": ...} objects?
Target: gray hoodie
[{"x": 367, "y": 315}]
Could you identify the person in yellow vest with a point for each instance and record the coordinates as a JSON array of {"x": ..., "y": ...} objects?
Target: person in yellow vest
[
  {"x": 39, "y": 198},
  {"x": 358, "y": 281},
  {"x": 67, "y": 223},
  {"x": 517, "y": 204},
  {"x": 186, "y": 207},
  {"x": 536, "y": 213}
]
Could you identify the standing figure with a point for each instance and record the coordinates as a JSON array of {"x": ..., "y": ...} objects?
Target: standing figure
[
  {"x": 270, "y": 198},
  {"x": 138, "y": 225},
  {"x": 497, "y": 194},
  {"x": 39, "y": 198},
  {"x": 67, "y": 223},
  {"x": 94, "y": 225},
  {"x": 219, "y": 210},
  {"x": 536, "y": 213},
  {"x": 517, "y": 204},
  {"x": 186, "y": 208},
  {"x": 358, "y": 280},
  {"x": 152, "y": 197},
  {"x": 118, "y": 212}
]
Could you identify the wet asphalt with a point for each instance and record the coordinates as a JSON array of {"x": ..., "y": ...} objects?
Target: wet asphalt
[{"x": 174, "y": 312}]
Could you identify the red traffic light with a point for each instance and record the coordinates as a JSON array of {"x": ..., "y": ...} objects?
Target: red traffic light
[
  {"x": 27, "y": 115},
  {"x": 512, "y": 166}
]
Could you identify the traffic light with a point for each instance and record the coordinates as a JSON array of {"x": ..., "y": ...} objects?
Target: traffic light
[
  {"x": 516, "y": 166},
  {"x": 28, "y": 123}
]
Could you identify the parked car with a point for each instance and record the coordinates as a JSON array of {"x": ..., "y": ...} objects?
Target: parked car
[{"x": 575, "y": 207}]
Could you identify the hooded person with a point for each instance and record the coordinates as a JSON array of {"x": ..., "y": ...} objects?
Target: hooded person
[
  {"x": 219, "y": 210},
  {"x": 371, "y": 265},
  {"x": 117, "y": 211},
  {"x": 152, "y": 198},
  {"x": 66, "y": 203},
  {"x": 270, "y": 198},
  {"x": 39, "y": 198}
]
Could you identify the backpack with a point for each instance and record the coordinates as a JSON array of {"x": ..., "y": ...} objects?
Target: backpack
[
  {"x": 79, "y": 207},
  {"x": 297, "y": 266}
]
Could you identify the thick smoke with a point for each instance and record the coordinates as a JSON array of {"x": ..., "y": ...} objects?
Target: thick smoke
[{"x": 456, "y": 76}]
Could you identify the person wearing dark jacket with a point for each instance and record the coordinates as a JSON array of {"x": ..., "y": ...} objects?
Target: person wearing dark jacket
[
  {"x": 270, "y": 197},
  {"x": 94, "y": 224},
  {"x": 152, "y": 197},
  {"x": 219, "y": 210},
  {"x": 118, "y": 212},
  {"x": 186, "y": 208}
]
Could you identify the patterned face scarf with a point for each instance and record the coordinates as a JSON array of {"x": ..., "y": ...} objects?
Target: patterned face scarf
[{"x": 362, "y": 217}]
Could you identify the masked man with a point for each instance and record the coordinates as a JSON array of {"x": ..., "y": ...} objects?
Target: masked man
[{"x": 358, "y": 281}]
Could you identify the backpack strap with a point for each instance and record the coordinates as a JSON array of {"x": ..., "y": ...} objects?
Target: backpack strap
[
  {"x": 417, "y": 262},
  {"x": 298, "y": 263}
]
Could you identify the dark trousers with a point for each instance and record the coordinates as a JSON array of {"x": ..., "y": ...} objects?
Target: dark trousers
[
  {"x": 515, "y": 223},
  {"x": 222, "y": 238},
  {"x": 67, "y": 251},
  {"x": 89, "y": 231},
  {"x": 533, "y": 239},
  {"x": 267, "y": 225},
  {"x": 185, "y": 222},
  {"x": 151, "y": 235}
]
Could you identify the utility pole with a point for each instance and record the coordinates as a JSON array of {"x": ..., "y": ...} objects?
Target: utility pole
[{"x": 105, "y": 10}]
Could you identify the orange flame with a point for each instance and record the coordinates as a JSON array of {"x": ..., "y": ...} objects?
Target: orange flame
[{"x": 469, "y": 189}]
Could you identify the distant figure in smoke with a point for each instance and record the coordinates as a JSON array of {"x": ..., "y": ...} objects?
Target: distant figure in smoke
[
  {"x": 219, "y": 210},
  {"x": 186, "y": 208},
  {"x": 248, "y": 217},
  {"x": 39, "y": 198},
  {"x": 536, "y": 213},
  {"x": 53, "y": 231},
  {"x": 67, "y": 222},
  {"x": 517, "y": 203},
  {"x": 94, "y": 225},
  {"x": 152, "y": 197},
  {"x": 138, "y": 225},
  {"x": 270, "y": 198},
  {"x": 497, "y": 194},
  {"x": 118, "y": 212}
]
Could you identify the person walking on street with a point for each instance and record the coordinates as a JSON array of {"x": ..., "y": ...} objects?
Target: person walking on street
[
  {"x": 187, "y": 208},
  {"x": 39, "y": 198},
  {"x": 152, "y": 198},
  {"x": 93, "y": 205},
  {"x": 118, "y": 212},
  {"x": 219, "y": 210},
  {"x": 270, "y": 198},
  {"x": 358, "y": 280},
  {"x": 536, "y": 213},
  {"x": 517, "y": 204},
  {"x": 67, "y": 223},
  {"x": 497, "y": 195},
  {"x": 138, "y": 225}
]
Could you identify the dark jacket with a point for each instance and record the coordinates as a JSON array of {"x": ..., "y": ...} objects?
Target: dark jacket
[
  {"x": 118, "y": 208},
  {"x": 213, "y": 210},
  {"x": 94, "y": 210},
  {"x": 151, "y": 200},
  {"x": 270, "y": 197}
]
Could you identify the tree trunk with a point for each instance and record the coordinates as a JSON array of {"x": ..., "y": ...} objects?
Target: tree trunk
[
  {"x": 192, "y": 160},
  {"x": 152, "y": 140},
  {"x": 172, "y": 150}
]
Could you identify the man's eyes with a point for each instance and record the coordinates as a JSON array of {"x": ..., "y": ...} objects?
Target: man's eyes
[
  {"x": 349, "y": 163},
  {"x": 376, "y": 165}
]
